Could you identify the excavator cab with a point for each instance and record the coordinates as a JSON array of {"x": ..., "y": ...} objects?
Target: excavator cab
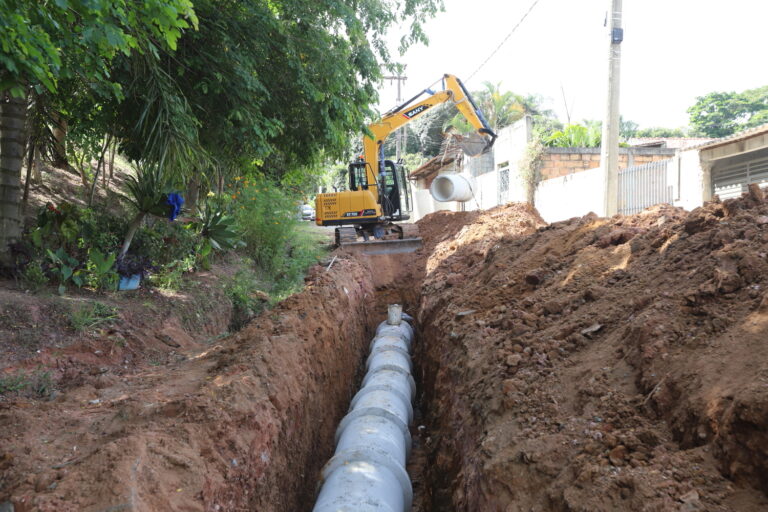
[{"x": 396, "y": 195}]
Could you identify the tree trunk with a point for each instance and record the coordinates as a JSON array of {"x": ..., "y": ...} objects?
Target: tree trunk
[
  {"x": 134, "y": 226},
  {"x": 38, "y": 167},
  {"x": 193, "y": 192},
  {"x": 12, "y": 122},
  {"x": 98, "y": 167},
  {"x": 60, "y": 128},
  {"x": 28, "y": 179},
  {"x": 112, "y": 152}
]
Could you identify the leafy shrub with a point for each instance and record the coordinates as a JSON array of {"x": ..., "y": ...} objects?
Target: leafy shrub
[
  {"x": 267, "y": 218},
  {"x": 63, "y": 269},
  {"x": 281, "y": 246},
  {"x": 171, "y": 276},
  {"x": 33, "y": 275},
  {"x": 163, "y": 242},
  {"x": 247, "y": 300},
  {"x": 77, "y": 229},
  {"x": 100, "y": 271}
]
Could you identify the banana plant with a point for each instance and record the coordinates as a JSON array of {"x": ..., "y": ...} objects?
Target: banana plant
[{"x": 63, "y": 267}]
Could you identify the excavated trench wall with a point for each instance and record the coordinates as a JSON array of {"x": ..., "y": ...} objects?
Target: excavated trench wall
[
  {"x": 245, "y": 424},
  {"x": 597, "y": 364}
]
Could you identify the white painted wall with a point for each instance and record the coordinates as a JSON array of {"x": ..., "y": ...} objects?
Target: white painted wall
[
  {"x": 558, "y": 198},
  {"x": 509, "y": 147},
  {"x": 688, "y": 180},
  {"x": 571, "y": 196}
]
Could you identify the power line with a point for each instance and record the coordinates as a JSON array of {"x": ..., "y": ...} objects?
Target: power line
[{"x": 505, "y": 40}]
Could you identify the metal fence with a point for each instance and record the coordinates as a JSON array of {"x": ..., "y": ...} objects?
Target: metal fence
[{"x": 641, "y": 186}]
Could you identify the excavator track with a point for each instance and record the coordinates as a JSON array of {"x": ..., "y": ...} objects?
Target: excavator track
[{"x": 345, "y": 236}]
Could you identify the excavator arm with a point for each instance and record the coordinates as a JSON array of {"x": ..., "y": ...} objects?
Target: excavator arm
[{"x": 453, "y": 90}]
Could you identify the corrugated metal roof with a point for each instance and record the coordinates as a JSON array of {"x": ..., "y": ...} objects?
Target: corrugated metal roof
[
  {"x": 743, "y": 135},
  {"x": 669, "y": 142}
]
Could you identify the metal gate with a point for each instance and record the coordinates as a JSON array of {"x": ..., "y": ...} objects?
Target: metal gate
[
  {"x": 732, "y": 180},
  {"x": 641, "y": 186},
  {"x": 503, "y": 186}
]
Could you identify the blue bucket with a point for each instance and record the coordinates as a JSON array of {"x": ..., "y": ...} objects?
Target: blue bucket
[{"x": 129, "y": 282}]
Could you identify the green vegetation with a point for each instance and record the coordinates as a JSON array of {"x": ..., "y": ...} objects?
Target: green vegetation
[
  {"x": 89, "y": 316},
  {"x": 658, "y": 131},
  {"x": 193, "y": 93},
  {"x": 38, "y": 384},
  {"x": 575, "y": 136},
  {"x": 719, "y": 114}
]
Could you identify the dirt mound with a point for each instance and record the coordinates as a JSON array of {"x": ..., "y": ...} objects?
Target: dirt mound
[
  {"x": 243, "y": 425},
  {"x": 599, "y": 364}
]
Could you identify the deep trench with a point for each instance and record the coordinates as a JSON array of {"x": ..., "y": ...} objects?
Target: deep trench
[{"x": 392, "y": 289}]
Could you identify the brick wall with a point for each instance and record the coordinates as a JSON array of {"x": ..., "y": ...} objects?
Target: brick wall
[{"x": 558, "y": 162}]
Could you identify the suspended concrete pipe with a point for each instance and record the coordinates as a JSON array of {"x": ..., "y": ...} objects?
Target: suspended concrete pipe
[
  {"x": 367, "y": 471},
  {"x": 451, "y": 187}
]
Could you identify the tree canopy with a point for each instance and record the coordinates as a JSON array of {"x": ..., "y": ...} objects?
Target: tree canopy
[
  {"x": 199, "y": 87},
  {"x": 719, "y": 114}
]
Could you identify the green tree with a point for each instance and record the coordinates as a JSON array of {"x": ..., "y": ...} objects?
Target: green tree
[
  {"x": 501, "y": 108},
  {"x": 575, "y": 136},
  {"x": 44, "y": 42},
  {"x": 719, "y": 114},
  {"x": 627, "y": 128}
]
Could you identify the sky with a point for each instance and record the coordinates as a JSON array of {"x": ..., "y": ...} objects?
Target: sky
[{"x": 673, "y": 51}]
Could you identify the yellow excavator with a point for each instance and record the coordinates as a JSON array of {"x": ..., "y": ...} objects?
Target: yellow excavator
[{"x": 378, "y": 194}]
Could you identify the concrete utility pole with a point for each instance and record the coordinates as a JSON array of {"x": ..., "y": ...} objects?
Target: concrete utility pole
[
  {"x": 401, "y": 133},
  {"x": 609, "y": 147}
]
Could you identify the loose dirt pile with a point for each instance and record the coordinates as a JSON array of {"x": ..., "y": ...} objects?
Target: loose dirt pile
[
  {"x": 242, "y": 425},
  {"x": 597, "y": 364}
]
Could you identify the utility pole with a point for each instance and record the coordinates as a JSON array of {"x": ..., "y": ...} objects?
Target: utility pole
[
  {"x": 401, "y": 133},
  {"x": 609, "y": 147}
]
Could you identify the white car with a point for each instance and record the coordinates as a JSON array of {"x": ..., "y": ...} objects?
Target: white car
[{"x": 307, "y": 212}]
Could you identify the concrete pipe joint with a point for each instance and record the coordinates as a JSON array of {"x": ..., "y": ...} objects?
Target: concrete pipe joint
[
  {"x": 367, "y": 471},
  {"x": 451, "y": 187}
]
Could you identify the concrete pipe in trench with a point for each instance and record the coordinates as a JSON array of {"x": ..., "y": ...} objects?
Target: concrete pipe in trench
[{"x": 367, "y": 471}]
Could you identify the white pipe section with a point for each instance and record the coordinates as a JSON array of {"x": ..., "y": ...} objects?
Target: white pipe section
[
  {"x": 367, "y": 471},
  {"x": 451, "y": 187}
]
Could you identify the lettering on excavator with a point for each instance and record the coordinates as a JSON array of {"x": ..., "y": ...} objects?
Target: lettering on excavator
[{"x": 415, "y": 111}]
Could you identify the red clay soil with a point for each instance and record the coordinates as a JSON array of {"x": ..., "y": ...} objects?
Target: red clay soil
[
  {"x": 149, "y": 327},
  {"x": 597, "y": 364},
  {"x": 243, "y": 425}
]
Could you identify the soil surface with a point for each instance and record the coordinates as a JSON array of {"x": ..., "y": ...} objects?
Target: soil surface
[{"x": 597, "y": 364}]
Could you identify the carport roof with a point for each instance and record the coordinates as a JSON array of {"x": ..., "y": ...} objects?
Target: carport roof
[{"x": 736, "y": 137}]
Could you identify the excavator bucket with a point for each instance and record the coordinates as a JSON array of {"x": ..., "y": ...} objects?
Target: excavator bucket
[
  {"x": 473, "y": 145},
  {"x": 384, "y": 246}
]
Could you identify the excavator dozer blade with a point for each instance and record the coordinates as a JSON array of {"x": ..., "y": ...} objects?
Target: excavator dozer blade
[{"x": 404, "y": 245}]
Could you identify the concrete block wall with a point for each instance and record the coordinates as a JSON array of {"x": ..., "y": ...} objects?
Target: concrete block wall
[{"x": 558, "y": 162}]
